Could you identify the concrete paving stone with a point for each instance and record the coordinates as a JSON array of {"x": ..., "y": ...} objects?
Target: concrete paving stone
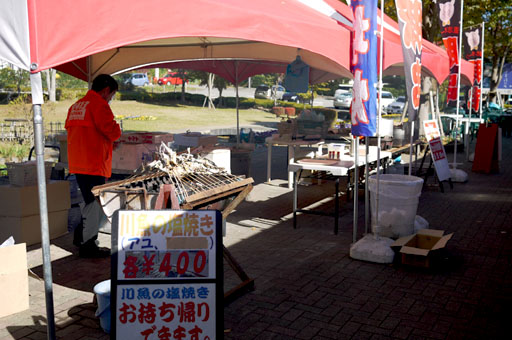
[
  {"x": 37, "y": 336},
  {"x": 361, "y": 335},
  {"x": 309, "y": 332},
  {"x": 21, "y": 333}
]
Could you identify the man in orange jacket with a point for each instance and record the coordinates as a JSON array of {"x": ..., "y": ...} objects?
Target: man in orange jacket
[{"x": 92, "y": 131}]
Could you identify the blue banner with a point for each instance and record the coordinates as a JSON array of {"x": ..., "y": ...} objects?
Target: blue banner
[{"x": 363, "y": 110}]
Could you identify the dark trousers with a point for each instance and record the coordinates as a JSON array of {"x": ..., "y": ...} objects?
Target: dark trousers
[{"x": 86, "y": 183}]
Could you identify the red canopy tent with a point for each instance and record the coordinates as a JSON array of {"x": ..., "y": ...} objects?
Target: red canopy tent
[
  {"x": 87, "y": 38},
  {"x": 434, "y": 58}
]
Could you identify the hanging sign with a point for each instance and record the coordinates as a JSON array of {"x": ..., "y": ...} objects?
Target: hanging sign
[
  {"x": 363, "y": 110},
  {"x": 437, "y": 149},
  {"x": 449, "y": 19},
  {"x": 410, "y": 21},
  {"x": 472, "y": 38},
  {"x": 297, "y": 76},
  {"x": 167, "y": 275}
]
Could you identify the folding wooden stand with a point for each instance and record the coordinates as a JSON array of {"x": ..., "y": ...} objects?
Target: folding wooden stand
[
  {"x": 429, "y": 170},
  {"x": 167, "y": 193}
]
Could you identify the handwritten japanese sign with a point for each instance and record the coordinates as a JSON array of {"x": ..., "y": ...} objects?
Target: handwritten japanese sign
[
  {"x": 437, "y": 149},
  {"x": 167, "y": 275}
]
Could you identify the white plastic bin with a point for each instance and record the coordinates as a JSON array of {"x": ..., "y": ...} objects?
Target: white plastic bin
[
  {"x": 102, "y": 291},
  {"x": 398, "y": 202}
]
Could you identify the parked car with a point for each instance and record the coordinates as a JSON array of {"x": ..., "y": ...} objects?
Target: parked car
[
  {"x": 397, "y": 106},
  {"x": 170, "y": 79},
  {"x": 387, "y": 98},
  {"x": 343, "y": 88},
  {"x": 138, "y": 79},
  {"x": 293, "y": 97},
  {"x": 343, "y": 100},
  {"x": 267, "y": 92}
]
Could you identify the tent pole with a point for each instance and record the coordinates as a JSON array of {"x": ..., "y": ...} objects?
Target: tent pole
[
  {"x": 482, "y": 70},
  {"x": 237, "y": 113},
  {"x": 356, "y": 188},
  {"x": 458, "y": 86},
  {"x": 37, "y": 100}
]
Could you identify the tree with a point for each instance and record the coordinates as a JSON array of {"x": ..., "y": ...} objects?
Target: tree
[{"x": 497, "y": 15}]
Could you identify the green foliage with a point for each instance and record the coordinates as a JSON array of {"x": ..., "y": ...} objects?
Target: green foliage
[
  {"x": 69, "y": 82},
  {"x": 14, "y": 80},
  {"x": 70, "y": 93},
  {"x": 14, "y": 151}
]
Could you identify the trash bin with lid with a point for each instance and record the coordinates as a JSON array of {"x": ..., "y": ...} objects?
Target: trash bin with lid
[{"x": 398, "y": 203}]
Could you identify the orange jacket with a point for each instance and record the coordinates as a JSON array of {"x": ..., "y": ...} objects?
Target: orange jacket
[{"x": 91, "y": 132}]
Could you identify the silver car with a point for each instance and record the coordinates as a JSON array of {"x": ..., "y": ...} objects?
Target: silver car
[
  {"x": 343, "y": 100},
  {"x": 397, "y": 106}
]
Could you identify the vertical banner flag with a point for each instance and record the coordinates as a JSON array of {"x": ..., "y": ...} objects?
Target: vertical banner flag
[
  {"x": 449, "y": 19},
  {"x": 410, "y": 21},
  {"x": 364, "y": 67},
  {"x": 472, "y": 38}
]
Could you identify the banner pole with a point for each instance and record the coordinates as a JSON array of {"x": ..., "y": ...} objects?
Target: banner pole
[
  {"x": 356, "y": 188},
  {"x": 482, "y": 70},
  {"x": 458, "y": 86},
  {"x": 410, "y": 148},
  {"x": 379, "y": 117},
  {"x": 366, "y": 196},
  {"x": 468, "y": 125}
]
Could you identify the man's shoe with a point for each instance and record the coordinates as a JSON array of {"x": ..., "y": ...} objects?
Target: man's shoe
[
  {"x": 97, "y": 253},
  {"x": 90, "y": 250},
  {"x": 77, "y": 234}
]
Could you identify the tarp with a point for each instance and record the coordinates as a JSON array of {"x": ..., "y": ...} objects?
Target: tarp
[{"x": 86, "y": 38}]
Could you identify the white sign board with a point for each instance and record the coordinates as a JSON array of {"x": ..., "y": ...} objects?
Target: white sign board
[
  {"x": 167, "y": 275},
  {"x": 437, "y": 149}
]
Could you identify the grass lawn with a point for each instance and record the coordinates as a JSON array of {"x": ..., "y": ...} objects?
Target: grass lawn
[{"x": 167, "y": 118}]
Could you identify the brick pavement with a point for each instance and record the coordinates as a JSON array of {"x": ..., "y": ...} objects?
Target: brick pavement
[{"x": 307, "y": 287}]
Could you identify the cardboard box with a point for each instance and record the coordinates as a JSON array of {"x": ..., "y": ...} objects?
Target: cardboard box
[
  {"x": 28, "y": 228},
  {"x": 24, "y": 201},
  {"x": 194, "y": 139},
  {"x": 127, "y": 156},
  {"x": 13, "y": 279},
  {"x": 418, "y": 249},
  {"x": 145, "y": 138},
  {"x": 63, "y": 144}
]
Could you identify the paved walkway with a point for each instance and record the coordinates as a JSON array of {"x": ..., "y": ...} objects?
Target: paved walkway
[{"x": 307, "y": 287}]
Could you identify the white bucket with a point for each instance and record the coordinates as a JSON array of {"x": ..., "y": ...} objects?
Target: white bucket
[
  {"x": 102, "y": 291},
  {"x": 398, "y": 203}
]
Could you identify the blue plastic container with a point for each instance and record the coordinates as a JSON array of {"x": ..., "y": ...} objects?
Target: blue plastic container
[{"x": 102, "y": 291}]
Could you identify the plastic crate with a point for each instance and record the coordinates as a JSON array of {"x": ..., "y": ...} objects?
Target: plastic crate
[
  {"x": 25, "y": 173},
  {"x": 310, "y": 127}
]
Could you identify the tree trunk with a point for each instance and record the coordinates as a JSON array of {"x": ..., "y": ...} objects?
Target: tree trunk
[
  {"x": 183, "y": 91},
  {"x": 424, "y": 110},
  {"x": 220, "y": 103},
  {"x": 211, "y": 78},
  {"x": 51, "y": 84},
  {"x": 497, "y": 73}
]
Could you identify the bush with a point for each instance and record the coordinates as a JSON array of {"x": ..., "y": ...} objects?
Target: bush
[{"x": 70, "y": 94}]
